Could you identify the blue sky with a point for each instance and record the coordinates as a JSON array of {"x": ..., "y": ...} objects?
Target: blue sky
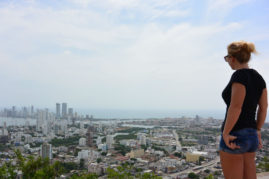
[{"x": 125, "y": 54}]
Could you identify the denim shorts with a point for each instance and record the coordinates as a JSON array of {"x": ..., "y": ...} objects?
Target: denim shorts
[{"x": 247, "y": 139}]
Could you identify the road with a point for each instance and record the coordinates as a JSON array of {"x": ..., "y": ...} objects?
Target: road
[
  {"x": 203, "y": 167},
  {"x": 176, "y": 138}
]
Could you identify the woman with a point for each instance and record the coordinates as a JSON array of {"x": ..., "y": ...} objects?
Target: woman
[{"x": 240, "y": 131}]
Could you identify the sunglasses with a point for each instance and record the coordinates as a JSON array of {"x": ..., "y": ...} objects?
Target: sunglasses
[{"x": 226, "y": 57}]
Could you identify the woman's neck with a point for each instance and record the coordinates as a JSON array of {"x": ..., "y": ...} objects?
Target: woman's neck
[{"x": 242, "y": 66}]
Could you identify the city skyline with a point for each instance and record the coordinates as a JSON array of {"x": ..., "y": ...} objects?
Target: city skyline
[{"x": 129, "y": 55}]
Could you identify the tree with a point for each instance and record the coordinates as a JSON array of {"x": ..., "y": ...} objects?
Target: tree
[
  {"x": 193, "y": 176},
  {"x": 177, "y": 154},
  {"x": 99, "y": 160},
  {"x": 264, "y": 164},
  {"x": 144, "y": 147},
  {"x": 124, "y": 172},
  {"x": 201, "y": 158},
  {"x": 31, "y": 168},
  {"x": 210, "y": 176},
  {"x": 81, "y": 164},
  {"x": 85, "y": 176},
  {"x": 68, "y": 166},
  {"x": 7, "y": 171},
  {"x": 103, "y": 153}
]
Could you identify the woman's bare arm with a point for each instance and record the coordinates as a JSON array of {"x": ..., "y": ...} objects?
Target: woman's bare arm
[
  {"x": 237, "y": 100},
  {"x": 262, "y": 110}
]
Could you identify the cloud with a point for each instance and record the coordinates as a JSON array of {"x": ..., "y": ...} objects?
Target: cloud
[
  {"x": 149, "y": 10},
  {"x": 223, "y": 7},
  {"x": 83, "y": 56}
]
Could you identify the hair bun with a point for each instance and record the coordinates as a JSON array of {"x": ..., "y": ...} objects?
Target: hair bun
[
  {"x": 248, "y": 46},
  {"x": 251, "y": 47},
  {"x": 241, "y": 50}
]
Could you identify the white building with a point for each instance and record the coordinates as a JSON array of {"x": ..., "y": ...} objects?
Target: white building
[
  {"x": 81, "y": 125},
  {"x": 102, "y": 147},
  {"x": 46, "y": 151},
  {"x": 64, "y": 110},
  {"x": 82, "y": 141},
  {"x": 4, "y": 129},
  {"x": 83, "y": 154},
  {"x": 99, "y": 140},
  {"x": 143, "y": 140},
  {"x": 45, "y": 128},
  {"x": 109, "y": 141},
  {"x": 28, "y": 139},
  {"x": 40, "y": 120},
  {"x": 88, "y": 155}
]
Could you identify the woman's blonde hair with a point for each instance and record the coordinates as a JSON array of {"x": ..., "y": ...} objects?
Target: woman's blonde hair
[{"x": 241, "y": 50}]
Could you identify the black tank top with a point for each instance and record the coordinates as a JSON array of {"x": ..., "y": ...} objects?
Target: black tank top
[{"x": 254, "y": 84}]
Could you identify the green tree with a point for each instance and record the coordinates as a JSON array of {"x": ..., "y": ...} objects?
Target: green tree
[
  {"x": 7, "y": 171},
  {"x": 99, "y": 160},
  {"x": 217, "y": 173},
  {"x": 210, "y": 176},
  {"x": 177, "y": 154},
  {"x": 81, "y": 164},
  {"x": 68, "y": 166},
  {"x": 36, "y": 168},
  {"x": 193, "y": 176},
  {"x": 85, "y": 176},
  {"x": 124, "y": 172},
  {"x": 264, "y": 164},
  {"x": 201, "y": 158}
]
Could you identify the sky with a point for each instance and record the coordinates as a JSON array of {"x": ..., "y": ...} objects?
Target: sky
[{"x": 125, "y": 54}]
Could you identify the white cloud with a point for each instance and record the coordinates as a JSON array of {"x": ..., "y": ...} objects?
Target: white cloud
[
  {"x": 222, "y": 7},
  {"x": 92, "y": 61},
  {"x": 150, "y": 9}
]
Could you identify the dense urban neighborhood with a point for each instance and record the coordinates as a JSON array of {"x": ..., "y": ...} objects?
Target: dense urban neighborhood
[{"x": 64, "y": 144}]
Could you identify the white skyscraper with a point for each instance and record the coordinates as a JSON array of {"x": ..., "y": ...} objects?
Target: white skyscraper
[
  {"x": 70, "y": 112},
  {"x": 28, "y": 139},
  {"x": 109, "y": 141},
  {"x": 46, "y": 151},
  {"x": 81, "y": 125},
  {"x": 40, "y": 120},
  {"x": 64, "y": 110},
  {"x": 58, "y": 110},
  {"x": 143, "y": 140},
  {"x": 45, "y": 128},
  {"x": 4, "y": 130}
]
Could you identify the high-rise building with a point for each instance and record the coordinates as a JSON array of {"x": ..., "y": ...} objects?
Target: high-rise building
[
  {"x": 28, "y": 139},
  {"x": 99, "y": 140},
  {"x": 24, "y": 112},
  {"x": 143, "y": 140},
  {"x": 64, "y": 110},
  {"x": 13, "y": 113},
  {"x": 32, "y": 111},
  {"x": 90, "y": 135},
  {"x": 70, "y": 112},
  {"x": 47, "y": 113},
  {"x": 40, "y": 120},
  {"x": 109, "y": 141},
  {"x": 81, "y": 125},
  {"x": 46, "y": 151},
  {"x": 58, "y": 110}
]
